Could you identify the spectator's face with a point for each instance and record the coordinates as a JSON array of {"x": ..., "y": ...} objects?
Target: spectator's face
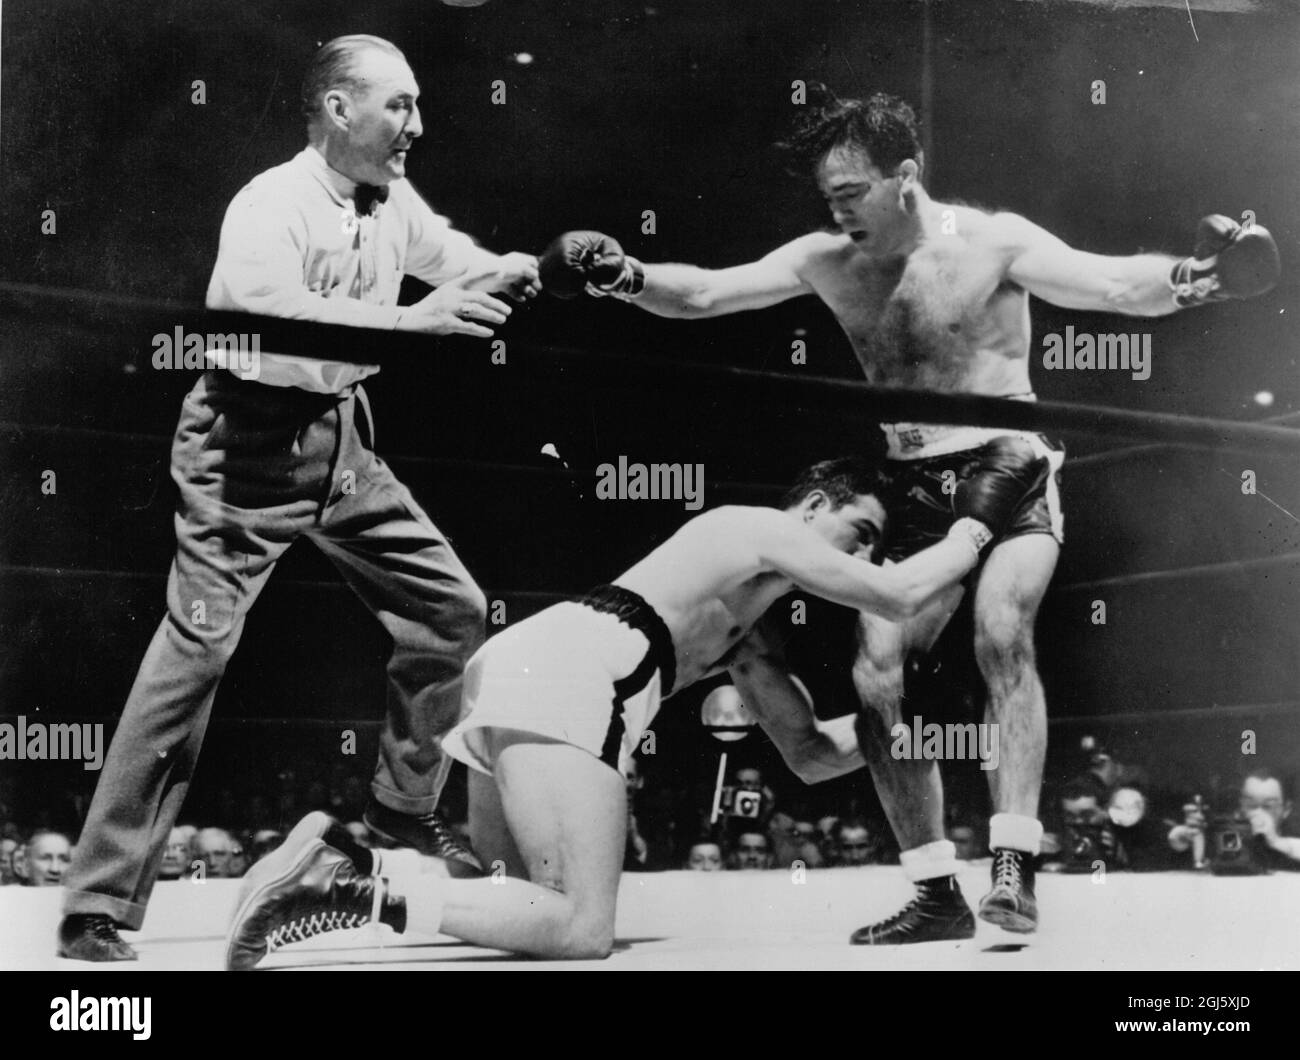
[
  {"x": 384, "y": 119},
  {"x": 176, "y": 858},
  {"x": 705, "y": 857},
  {"x": 359, "y": 833},
  {"x": 804, "y": 832},
  {"x": 964, "y": 840},
  {"x": 8, "y": 847},
  {"x": 214, "y": 850},
  {"x": 752, "y": 851},
  {"x": 1106, "y": 769},
  {"x": 1081, "y": 811},
  {"x": 632, "y": 777},
  {"x": 749, "y": 780},
  {"x": 855, "y": 846},
  {"x": 781, "y": 824},
  {"x": 238, "y": 860},
  {"x": 1264, "y": 795},
  {"x": 830, "y": 847},
  {"x": 47, "y": 859}
]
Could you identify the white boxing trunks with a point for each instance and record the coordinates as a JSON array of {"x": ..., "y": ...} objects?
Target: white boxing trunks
[{"x": 589, "y": 672}]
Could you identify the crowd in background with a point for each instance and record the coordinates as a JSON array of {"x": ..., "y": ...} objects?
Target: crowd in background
[{"x": 1107, "y": 816}]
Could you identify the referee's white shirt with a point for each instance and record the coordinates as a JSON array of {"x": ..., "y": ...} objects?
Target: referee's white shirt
[{"x": 293, "y": 246}]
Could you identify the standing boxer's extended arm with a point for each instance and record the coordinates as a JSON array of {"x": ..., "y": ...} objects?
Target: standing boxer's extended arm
[
  {"x": 689, "y": 291},
  {"x": 590, "y": 261},
  {"x": 1050, "y": 269},
  {"x": 1228, "y": 262},
  {"x": 814, "y": 750}
]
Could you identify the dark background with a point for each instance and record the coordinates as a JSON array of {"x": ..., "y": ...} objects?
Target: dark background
[{"x": 671, "y": 106}]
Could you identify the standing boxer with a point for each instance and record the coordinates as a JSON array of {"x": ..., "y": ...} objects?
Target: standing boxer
[
  {"x": 936, "y": 296},
  {"x": 282, "y": 448}
]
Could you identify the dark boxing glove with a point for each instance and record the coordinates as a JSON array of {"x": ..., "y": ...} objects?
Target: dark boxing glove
[
  {"x": 1229, "y": 262},
  {"x": 590, "y": 261},
  {"x": 993, "y": 486}
]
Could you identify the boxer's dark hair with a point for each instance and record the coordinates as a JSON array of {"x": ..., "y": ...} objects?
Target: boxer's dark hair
[
  {"x": 334, "y": 66},
  {"x": 842, "y": 480},
  {"x": 883, "y": 126}
]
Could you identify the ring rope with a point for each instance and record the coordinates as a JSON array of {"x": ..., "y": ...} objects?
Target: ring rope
[{"x": 341, "y": 343}]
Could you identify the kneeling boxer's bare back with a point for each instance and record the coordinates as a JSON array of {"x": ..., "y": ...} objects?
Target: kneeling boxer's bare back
[{"x": 557, "y": 703}]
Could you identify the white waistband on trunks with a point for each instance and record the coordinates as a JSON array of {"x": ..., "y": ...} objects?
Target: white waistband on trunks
[{"x": 921, "y": 441}]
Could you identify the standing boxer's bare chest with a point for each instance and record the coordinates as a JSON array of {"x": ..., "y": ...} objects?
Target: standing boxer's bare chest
[{"x": 918, "y": 321}]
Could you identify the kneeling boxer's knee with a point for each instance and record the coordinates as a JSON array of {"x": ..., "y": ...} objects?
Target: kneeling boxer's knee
[{"x": 587, "y": 940}]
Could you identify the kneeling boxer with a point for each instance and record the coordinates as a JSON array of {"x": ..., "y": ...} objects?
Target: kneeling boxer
[{"x": 554, "y": 705}]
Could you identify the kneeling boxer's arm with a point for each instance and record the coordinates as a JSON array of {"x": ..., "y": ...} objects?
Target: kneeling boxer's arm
[
  {"x": 895, "y": 592},
  {"x": 814, "y": 750},
  {"x": 834, "y": 752}
]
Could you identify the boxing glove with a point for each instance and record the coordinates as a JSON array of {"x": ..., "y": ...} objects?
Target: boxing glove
[
  {"x": 1228, "y": 262},
  {"x": 590, "y": 261},
  {"x": 994, "y": 485}
]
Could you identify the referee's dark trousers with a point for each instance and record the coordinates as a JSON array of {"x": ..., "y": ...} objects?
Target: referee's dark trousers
[{"x": 257, "y": 467}]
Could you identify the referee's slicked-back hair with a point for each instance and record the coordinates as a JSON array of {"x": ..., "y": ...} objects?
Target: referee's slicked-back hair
[
  {"x": 842, "y": 480},
  {"x": 334, "y": 66},
  {"x": 883, "y": 126}
]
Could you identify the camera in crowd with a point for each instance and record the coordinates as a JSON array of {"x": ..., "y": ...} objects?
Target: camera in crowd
[
  {"x": 1233, "y": 848},
  {"x": 1086, "y": 843},
  {"x": 742, "y": 802}
]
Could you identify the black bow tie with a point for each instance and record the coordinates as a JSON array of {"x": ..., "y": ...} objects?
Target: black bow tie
[{"x": 367, "y": 196}]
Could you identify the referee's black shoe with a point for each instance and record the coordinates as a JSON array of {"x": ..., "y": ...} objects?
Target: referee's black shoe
[{"x": 93, "y": 937}]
